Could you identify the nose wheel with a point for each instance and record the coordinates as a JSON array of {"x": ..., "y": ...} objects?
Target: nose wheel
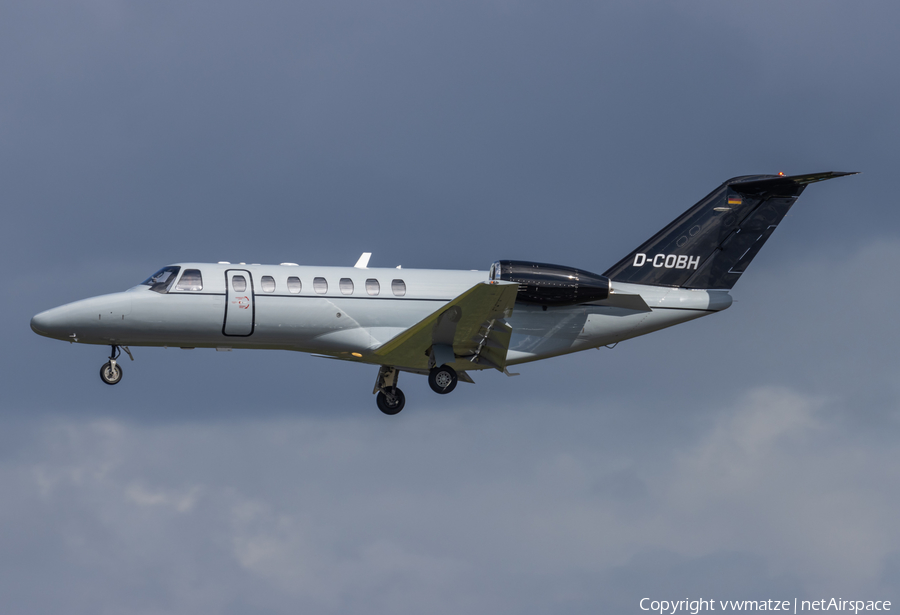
[{"x": 111, "y": 372}]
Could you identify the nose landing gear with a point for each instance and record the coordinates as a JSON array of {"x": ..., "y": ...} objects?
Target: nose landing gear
[
  {"x": 111, "y": 372},
  {"x": 389, "y": 398}
]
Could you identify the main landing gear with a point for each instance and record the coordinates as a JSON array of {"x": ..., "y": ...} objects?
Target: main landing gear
[
  {"x": 442, "y": 379},
  {"x": 389, "y": 398},
  {"x": 390, "y": 401},
  {"x": 111, "y": 372}
]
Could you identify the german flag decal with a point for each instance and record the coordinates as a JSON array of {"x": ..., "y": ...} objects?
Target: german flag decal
[{"x": 735, "y": 199}]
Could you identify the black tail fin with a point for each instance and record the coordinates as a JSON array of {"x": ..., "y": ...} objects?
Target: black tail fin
[{"x": 711, "y": 244}]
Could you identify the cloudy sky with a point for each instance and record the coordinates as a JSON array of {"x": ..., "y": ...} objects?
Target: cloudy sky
[{"x": 749, "y": 455}]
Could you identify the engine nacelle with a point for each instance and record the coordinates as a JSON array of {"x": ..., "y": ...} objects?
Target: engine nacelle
[{"x": 545, "y": 284}]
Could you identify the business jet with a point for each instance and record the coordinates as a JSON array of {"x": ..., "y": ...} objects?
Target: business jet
[{"x": 439, "y": 323}]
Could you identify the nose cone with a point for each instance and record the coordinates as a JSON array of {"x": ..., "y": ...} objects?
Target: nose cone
[{"x": 51, "y": 323}]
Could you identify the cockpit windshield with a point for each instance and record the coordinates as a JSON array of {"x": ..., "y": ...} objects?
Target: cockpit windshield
[{"x": 162, "y": 279}]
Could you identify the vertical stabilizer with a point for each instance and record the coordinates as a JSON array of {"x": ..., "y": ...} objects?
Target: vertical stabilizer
[{"x": 711, "y": 244}]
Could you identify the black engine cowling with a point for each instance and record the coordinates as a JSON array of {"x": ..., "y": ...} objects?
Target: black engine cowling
[{"x": 545, "y": 284}]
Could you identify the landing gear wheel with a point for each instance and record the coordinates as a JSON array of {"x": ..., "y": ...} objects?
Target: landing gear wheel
[
  {"x": 442, "y": 379},
  {"x": 111, "y": 374},
  {"x": 391, "y": 404}
]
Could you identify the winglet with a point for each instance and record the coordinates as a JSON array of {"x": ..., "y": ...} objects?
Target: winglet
[{"x": 363, "y": 262}]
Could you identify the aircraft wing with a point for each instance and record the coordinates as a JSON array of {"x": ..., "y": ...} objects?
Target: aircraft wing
[{"x": 467, "y": 333}]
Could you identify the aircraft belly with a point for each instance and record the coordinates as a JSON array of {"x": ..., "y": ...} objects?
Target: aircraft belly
[
  {"x": 334, "y": 324},
  {"x": 295, "y": 322},
  {"x": 539, "y": 335},
  {"x": 604, "y": 329}
]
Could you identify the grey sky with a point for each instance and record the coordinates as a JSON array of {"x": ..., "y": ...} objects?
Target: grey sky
[{"x": 750, "y": 455}]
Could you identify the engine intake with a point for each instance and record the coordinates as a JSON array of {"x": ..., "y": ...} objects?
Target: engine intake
[{"x": 545, "y": 284}]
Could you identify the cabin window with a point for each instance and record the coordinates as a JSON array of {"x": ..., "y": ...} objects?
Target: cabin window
[
  {"x": 398, "y": 287},
  {"x": 268, "y": 284},
  {"x": 239, "y": 283},
  {"x": 294, "y": 284},
  {"x": 162, "y": 279},
  {"x": 346, "y": 286},
  {"x": 373, "y": 287},
  {"x": 320, "y": 285},
  {"x": 190, "y": 280}
]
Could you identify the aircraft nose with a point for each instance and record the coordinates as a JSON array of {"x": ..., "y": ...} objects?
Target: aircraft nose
[{"x": 50, "y": 323}]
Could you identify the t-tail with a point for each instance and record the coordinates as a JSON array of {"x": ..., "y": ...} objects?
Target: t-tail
[{"x": 710, "y": 245}]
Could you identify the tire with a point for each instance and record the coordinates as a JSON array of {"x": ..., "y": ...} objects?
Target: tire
[
  {"x": 388, "y": 406},
  {"x": 442, "y": 379},
  {"x": 110, "y": 375}
]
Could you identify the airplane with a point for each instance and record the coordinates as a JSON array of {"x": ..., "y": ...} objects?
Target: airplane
[{"x": 443, "y": 324}]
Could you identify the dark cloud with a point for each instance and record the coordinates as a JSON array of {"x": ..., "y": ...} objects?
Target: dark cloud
[
  {"x": 748, "y": 454},
  {"x": 449, "y": 511}
]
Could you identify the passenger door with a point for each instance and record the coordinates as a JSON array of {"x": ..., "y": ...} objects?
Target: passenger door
[{"x": 240, "y": 310}]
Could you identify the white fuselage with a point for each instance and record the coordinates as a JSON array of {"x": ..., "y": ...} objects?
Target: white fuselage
[{"x": 345, "y": 319}]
